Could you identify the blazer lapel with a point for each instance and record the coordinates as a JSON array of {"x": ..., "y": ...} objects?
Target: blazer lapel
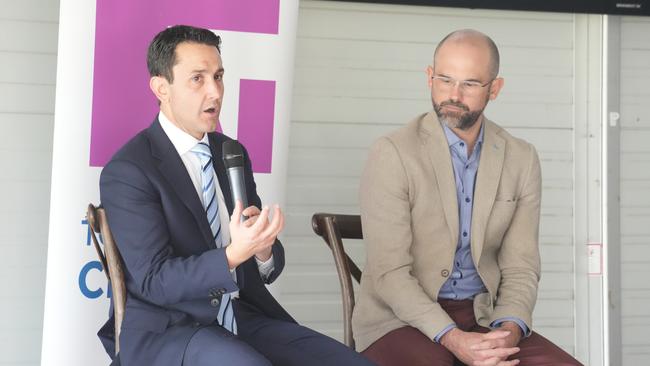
[
  {"x": 486, "y": 185},
  {"x": 437, "y": 147},
  {"x": 172, "y": 168}
]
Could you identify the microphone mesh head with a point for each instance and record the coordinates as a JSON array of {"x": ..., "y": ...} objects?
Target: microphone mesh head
[{"x": 233, "y": 154}]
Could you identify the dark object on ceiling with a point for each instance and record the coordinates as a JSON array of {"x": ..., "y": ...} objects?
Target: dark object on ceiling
[{"x": 612, "y": 7}]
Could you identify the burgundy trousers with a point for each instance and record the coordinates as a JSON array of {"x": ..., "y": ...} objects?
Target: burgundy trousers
[{"x": 409, "y": 346}]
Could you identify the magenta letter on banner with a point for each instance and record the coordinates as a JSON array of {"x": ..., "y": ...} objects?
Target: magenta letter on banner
[
  {"x": 256, "y": 116},
  {"x": 122, "y": 101}
]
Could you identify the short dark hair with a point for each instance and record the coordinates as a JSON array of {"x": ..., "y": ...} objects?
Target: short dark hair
[
  {"x": 492, "y": 47},
  {"x": 161, "y": 55}
]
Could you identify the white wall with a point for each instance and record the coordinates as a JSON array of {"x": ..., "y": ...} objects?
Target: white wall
[
  {"x": 28, "y": 46},
  {"x": 635, "y": 189},
  {"x": 360, "y": 73}
]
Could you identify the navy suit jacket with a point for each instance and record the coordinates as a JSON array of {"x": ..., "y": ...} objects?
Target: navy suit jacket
[{"x": 175, "y": 275}]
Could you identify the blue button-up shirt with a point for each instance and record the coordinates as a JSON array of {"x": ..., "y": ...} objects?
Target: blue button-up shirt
[{"x": 465, "y": 282}]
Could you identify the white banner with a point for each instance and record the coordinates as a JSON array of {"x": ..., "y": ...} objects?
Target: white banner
[{"x": 103, "y": 98}]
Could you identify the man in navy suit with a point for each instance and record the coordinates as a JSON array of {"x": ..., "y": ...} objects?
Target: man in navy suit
[{"x": 194, "y": 273}]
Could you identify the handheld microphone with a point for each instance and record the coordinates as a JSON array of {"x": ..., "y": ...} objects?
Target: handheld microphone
[{"x": 233, "y": 159}]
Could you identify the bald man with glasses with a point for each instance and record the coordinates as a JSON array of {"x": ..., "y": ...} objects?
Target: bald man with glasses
[{"x": 450, "y": 208}]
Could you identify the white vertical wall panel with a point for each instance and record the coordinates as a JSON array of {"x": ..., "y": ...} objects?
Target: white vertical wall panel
[
  {"x": 28, "y": 45},
  {"x": 635, "y": 190},
  {"x": 360, "y": 74}
]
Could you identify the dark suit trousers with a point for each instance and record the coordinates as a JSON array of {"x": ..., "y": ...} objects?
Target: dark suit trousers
[
  {"x": 409, "y": 346},
  {"x": 266, "y": 341}
]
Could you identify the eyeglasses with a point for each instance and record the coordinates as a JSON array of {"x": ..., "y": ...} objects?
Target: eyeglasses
[{"x": 468, "y": 87}]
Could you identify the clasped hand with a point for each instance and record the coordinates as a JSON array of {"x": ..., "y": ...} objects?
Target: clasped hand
[
  {"x": 482, "y": 349},
  {"x": 255, "y": 235}
]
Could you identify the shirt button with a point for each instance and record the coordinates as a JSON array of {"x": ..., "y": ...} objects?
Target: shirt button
[
  {"x": 467, "y": 199},
  {"x": 457, "y": 264},
  {"x": 444, "y": 273},
  {"x": 462, "y": 144},
  {"x": 464, "y": 233},
  {"x": 453, "y": 283}
]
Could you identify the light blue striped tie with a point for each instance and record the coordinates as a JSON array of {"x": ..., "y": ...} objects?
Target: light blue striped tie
[{"x": 226, "y": 316}]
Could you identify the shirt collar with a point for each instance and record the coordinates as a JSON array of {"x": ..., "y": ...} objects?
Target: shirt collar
[
  {"x": 453, "y": 139},
  {"x": 182, "y": 141}
]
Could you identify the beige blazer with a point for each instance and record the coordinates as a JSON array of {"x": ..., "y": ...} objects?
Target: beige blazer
[{"x": 409, "y": 212}]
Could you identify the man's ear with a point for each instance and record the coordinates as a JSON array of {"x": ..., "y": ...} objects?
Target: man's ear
[
  {"x": 429, "y": 72},
  {"x": 495, "y": 88},
  {"x": 160, "y": 87}
]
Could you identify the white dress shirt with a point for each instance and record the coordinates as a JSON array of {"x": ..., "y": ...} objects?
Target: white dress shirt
[{"x": 183, "y": 143}]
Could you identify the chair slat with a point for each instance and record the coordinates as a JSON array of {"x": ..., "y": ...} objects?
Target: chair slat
[
  {"x": 112, "y": 264},
  {"x": 333, "y": 228}
]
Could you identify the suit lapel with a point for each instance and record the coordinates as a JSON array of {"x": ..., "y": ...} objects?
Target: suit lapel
[
  {"x": 172, "y": 168},
  {"x": 486, "y": 185},
  {"x": 437, "y": 147}
]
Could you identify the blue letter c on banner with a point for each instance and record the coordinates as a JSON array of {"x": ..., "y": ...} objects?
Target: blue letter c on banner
[{"x": 82, "y": 280}]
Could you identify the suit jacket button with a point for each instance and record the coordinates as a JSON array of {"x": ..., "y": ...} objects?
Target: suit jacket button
[
  {"x": 444, "y": 273},
  {"x": 214, "y": 302}
]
